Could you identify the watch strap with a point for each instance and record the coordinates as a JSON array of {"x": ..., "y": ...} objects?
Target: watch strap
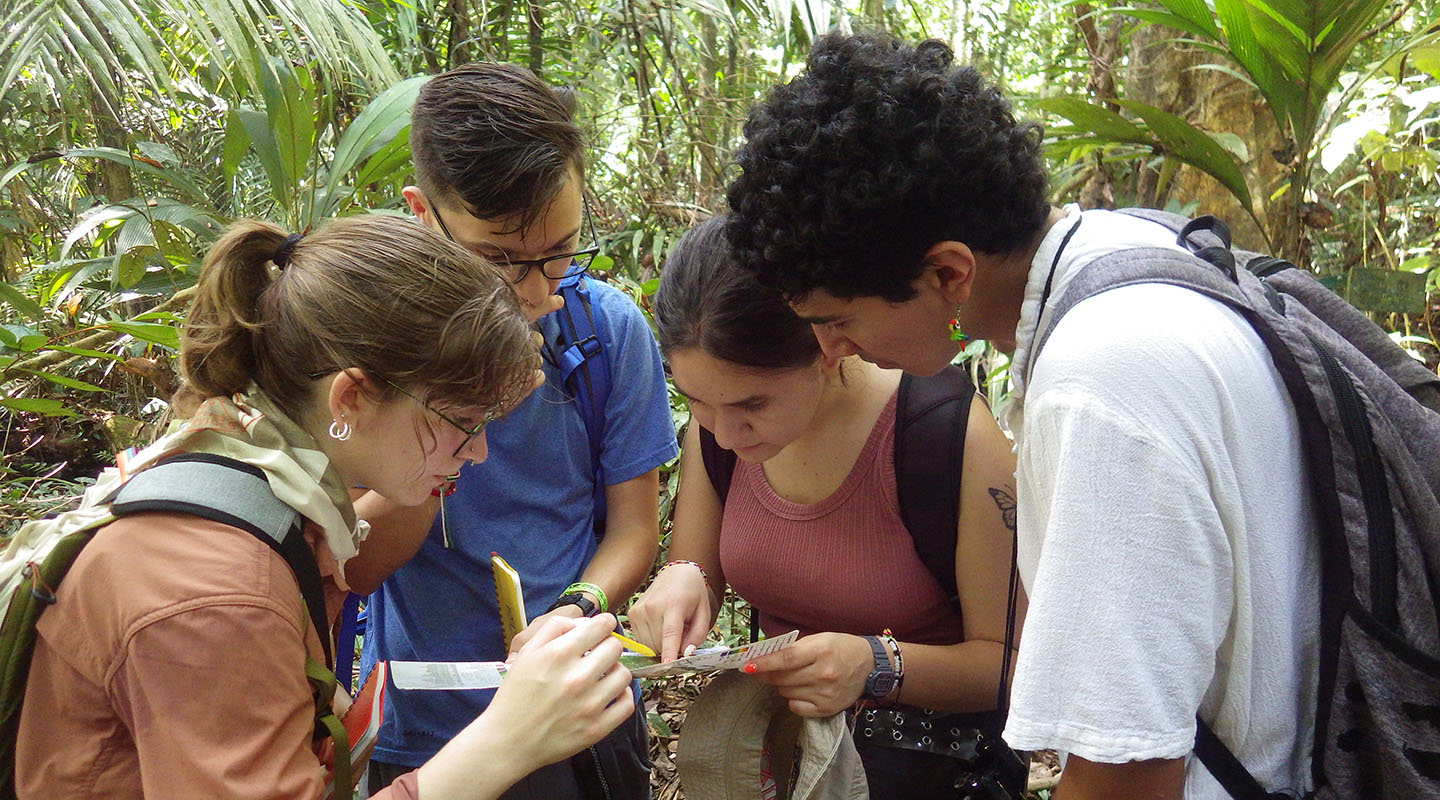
[
  {"x": 587, "y": 608},
  {"x": 877, "y": 688}
]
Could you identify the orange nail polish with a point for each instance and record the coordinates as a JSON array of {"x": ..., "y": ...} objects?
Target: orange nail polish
[{"x": 750, "y": 668}]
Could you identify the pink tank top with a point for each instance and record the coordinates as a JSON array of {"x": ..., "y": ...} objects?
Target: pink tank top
[{"x": 844, "y": 564}]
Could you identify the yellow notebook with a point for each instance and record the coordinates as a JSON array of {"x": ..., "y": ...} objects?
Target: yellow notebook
[{"x": 510, "y": 598}]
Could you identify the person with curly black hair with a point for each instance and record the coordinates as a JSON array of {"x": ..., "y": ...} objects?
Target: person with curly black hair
[{"x": 1163, "y": 517}]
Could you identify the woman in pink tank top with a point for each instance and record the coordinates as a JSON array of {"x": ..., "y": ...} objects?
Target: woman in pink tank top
[{"x": 809, "y": 530}]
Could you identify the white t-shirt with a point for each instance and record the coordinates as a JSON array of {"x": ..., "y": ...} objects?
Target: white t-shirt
[{"x": 1166, "y": 530}]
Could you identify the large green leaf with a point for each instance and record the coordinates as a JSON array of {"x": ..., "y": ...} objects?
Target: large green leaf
[
  {"x": 376, "y": 134},
  {"x": 290, "y": 110},
  {"x": 173, "y": 177},
  {"x": 262, "y": 141},
  {"x": 21, "y": 302},
  {"x": 155, "y": 332},
  {"x": 1166, "y": 18},
  {"x": 379, "y": 122},
  {"x": 1292, "y": 50},
  {"x": 1196, "y": 13},
  {"x": 1193, "y": 146},
  {"x": 1095, "y": 119},
  {"x": 67, "y": 382},
  {"x": 37, "y": 405}
]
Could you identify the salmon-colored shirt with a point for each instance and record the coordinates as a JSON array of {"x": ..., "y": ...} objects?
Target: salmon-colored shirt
[
  {"x": 846, "y": 563},
  {"x": 172, "y": 666}
]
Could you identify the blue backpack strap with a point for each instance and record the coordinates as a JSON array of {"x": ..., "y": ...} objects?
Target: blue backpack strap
[
  {"x": 345, "y": 641},
  {"x": 585, "y": 374}
]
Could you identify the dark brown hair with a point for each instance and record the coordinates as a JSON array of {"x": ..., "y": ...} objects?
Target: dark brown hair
[
  {"x": 496, "y": 139},
  {"x": 705, "y": 300},
  {"x": 381, "y": 293}
]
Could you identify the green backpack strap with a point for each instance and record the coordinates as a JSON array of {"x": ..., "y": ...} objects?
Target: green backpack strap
[{"x": 322, "y": 684}]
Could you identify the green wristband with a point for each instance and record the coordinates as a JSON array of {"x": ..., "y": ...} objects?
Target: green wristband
[{"x": 581, "y": 586}]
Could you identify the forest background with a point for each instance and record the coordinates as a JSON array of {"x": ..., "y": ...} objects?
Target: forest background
[{"x": 132, "y": 131}]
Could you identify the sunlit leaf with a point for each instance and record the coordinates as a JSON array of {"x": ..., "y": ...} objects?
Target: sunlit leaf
[
  {"x": 131, "y": 266},
  {"x": 153, "y": 332},
  {"x": 1095, "y": 119},
  {"x": 1193, "y": 146}
]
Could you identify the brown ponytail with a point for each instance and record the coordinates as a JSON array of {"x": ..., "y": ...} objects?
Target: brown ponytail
[
  {"x": 377, "y": 292},
  {"x": 217, "y": 357}
]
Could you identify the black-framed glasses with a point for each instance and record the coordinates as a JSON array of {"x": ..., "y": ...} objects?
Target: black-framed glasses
[
  {"x": 470, "y": 431},
  {"x": 565, "y": 264}
]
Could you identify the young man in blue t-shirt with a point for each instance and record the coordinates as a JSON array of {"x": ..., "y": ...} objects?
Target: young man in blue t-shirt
[{"x": 499, "y": 167}]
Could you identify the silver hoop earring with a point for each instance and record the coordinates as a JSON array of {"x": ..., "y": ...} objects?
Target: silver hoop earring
[{"x": 340, "y": 430}]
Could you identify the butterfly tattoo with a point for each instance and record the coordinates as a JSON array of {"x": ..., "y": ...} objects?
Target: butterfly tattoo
[{"x": 1006, "y": 503}]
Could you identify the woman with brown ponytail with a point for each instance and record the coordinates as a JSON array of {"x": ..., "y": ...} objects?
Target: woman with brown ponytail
[{"x": 371, "y": 352}]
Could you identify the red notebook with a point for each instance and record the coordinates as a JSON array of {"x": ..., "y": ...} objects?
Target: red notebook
[{"x": 362, "y": 724}]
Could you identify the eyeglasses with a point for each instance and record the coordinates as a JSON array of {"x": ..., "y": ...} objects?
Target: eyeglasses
[
  {"x": 553, "y": 267},
  {"x": 470, "y": 431}
]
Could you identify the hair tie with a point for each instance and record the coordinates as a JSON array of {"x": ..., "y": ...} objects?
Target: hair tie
[{"x": 286, "y": 248}]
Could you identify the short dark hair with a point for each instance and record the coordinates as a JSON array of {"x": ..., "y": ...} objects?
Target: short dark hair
[
  {"x": 878, "y": 150},
  {"x": 705, "y": 300},
  {"x": 496, "y": 138}
]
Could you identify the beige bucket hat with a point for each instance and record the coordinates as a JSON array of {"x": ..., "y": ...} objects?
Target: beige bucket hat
[{"x": 724, "y": 737}]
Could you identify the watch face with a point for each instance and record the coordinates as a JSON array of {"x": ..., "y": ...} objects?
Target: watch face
[{"x": 882, "y": 684}]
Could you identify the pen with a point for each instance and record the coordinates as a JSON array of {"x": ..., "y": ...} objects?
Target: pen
[{"x": 633, "y": 646}]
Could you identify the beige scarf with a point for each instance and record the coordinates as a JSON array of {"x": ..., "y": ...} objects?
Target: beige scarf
[{"x": 249, "y": 428}]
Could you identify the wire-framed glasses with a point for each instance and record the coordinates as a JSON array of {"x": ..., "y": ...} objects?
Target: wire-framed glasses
[
  {"x": 553, "y": 267},
  {"x": 470, "y": 431}
]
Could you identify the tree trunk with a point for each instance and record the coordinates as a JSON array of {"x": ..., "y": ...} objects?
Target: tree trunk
[
  {"x": 1103, "y": 45},
  {"x": 1170, "y": 75},
  {"x": 458, "y": 50},
  {"x": 495, "y": 45},
  {"x": 111, "y": 180},
  {"x": 535, "y": 33}
]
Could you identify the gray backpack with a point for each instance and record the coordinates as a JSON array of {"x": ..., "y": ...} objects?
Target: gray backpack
[
  {"x": 38, "y": 557},
  {"x": 1369, "y": 417}
]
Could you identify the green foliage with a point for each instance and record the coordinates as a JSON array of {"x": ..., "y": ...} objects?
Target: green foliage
[
  {"x": 1163, "y": 134},
  {"x": 132, "y": 131}
]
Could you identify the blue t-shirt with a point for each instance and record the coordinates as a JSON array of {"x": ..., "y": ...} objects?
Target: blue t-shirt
[{"x": 530, "y": 501}]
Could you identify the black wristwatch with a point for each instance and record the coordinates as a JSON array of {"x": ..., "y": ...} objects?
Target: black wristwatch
[
  {"x": 587, "y": 608},
  {"x": 882, "y": 680}
]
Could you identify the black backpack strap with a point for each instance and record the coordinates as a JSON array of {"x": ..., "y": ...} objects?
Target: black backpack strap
[
  {"x": 719, "y": 463},
  {"x": 1227, "y": 769},
  {"x": 237, "y": 494},
  {"x": 931, "y": 415}
]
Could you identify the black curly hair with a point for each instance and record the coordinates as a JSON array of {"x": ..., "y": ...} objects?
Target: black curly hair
[{"x": 878, "y": 150}]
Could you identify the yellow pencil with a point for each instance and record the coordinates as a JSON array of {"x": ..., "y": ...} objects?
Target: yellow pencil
[{"x": 633, "y": 646}]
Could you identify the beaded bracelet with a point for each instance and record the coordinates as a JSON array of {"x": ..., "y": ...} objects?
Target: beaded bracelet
[
  {"x": 889, "y": 639},
  {"x": 581, "y": 586},
  {"x": 669, "y": 564}
]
